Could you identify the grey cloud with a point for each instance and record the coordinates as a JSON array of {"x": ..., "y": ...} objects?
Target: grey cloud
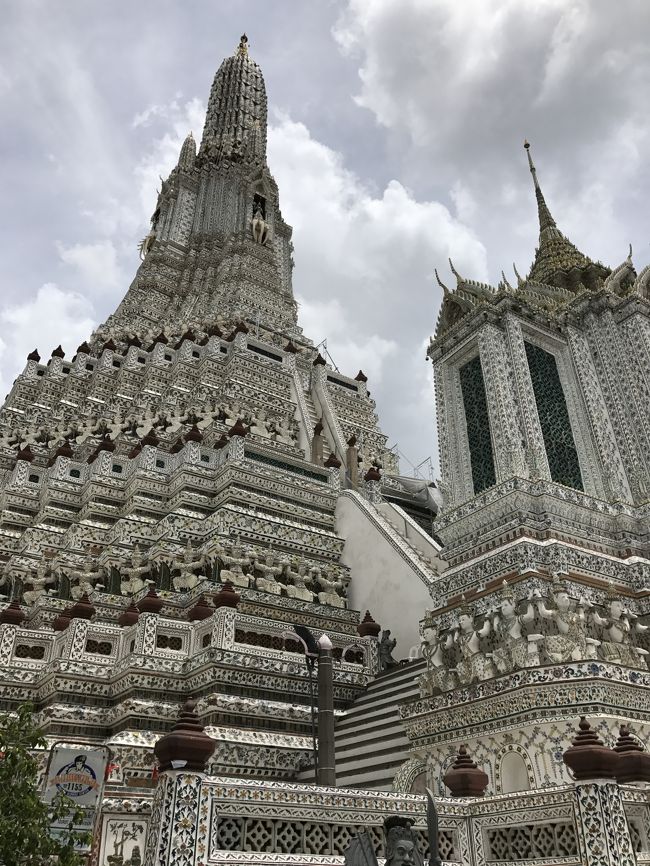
[
  {"x": 96, "y": 103},
  {"x": 459, "y": 85}
]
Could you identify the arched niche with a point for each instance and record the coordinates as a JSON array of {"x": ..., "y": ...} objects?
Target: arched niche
[{"x": 514, "y": 772}]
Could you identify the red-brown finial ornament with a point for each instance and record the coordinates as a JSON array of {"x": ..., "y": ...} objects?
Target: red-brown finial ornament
[
  {"x": 633, "y": 761},
  {"x": 368, "y": 627},
  {"x": 13, "y": 614},
  {"x": 201, "y": 610},
  {"x": 464, "y": 778},
  {"x": 588, "y": 757},
  {"x": 151, "y": 602},
  {"x": 129, "y": 616},
  {"x": 227, "y": 596},
  {"x": 83, "y": 609},
  {"x": 186, "y": 747},
  {"x": 373, "y": 474}
]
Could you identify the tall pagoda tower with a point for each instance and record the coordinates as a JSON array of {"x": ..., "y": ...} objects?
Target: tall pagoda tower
[
  {"x": 543, "y": 417},
  {"x": 195, "y": 480}
]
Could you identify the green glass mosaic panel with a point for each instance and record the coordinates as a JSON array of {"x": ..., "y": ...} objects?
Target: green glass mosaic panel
[
  {"x": 478, "y": 425},
  {"x": 553, "y": 418}
]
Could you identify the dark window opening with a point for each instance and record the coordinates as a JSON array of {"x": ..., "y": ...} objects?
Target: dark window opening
[
  {"x": 259, "y": 204},
  {"x": 553, "y": 417},
  {"x": 478, "y": 425}
]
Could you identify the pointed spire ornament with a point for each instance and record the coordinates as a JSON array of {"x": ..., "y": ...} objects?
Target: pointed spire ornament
[
  {"x": 13, "y": 614},
  {"x": 459, "y": 279},
  {"x": 520, "y": 280},
  {"x": 558, "y": 262},
  {"x": 546, "y": 221},
  {"x": 242, "y": 48}
]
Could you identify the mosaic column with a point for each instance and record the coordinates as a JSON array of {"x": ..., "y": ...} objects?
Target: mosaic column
[
  {"x": 178, "y": 831},
  {"x": 601, "y": 825},
  {"x": 176, "y": 836}
]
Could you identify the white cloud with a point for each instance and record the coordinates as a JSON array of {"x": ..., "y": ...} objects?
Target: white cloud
[
  {"x": 364, "y": 265},
  {"x": 460, "y": 84},
  {"x": 96, "y": 263},
  {"x": 349, "y": 351},
  {"x": 41, "y": 323}
]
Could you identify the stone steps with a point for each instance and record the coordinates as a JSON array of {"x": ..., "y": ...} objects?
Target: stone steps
[{"x": 370, "y": 743}]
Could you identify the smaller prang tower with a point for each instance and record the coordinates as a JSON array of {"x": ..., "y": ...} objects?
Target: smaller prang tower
[{"x": 543, "y": 401}]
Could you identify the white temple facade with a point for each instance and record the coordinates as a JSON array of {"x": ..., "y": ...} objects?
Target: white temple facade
[{"x": 196, "y": 480}]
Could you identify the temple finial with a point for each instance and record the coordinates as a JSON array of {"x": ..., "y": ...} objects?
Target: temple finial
[
  {"x": 440, "y": 282},
  {"x": 504, "y": 282},
  {"x": 546, "y": 221},
  {"x": 531, "y": 165},
  {"x": 520, "y": 282},
  {"x": 242, "y": 48},
  {"x": 459, "y": 279}
]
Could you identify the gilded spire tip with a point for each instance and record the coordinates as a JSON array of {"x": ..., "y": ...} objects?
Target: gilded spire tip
[{"x": 242, "y": 48}]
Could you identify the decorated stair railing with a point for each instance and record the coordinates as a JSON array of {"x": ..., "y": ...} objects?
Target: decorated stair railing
[{"x": 323, "y": 403}]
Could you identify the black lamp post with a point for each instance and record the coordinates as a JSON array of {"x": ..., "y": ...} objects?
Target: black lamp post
[{"x": 310, "y": 647}]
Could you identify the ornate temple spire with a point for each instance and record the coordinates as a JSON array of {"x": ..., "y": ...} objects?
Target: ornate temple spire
[
  {"x": 546, "y": 221},
  {"x": 188, "y": 153},
  {"x": 557, "y": 261},
  {"x": 235, "y": 124}
]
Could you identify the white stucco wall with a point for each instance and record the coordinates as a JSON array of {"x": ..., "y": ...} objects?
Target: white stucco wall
[{"x": 381, "y": 580}]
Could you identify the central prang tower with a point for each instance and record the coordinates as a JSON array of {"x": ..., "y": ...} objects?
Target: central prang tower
[
  {"x": 218, "y": 243},
  {"x": 195, "y": 481}
]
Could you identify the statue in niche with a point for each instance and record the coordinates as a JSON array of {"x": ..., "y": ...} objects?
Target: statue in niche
[
  {"x": 87, "y": 578},
  {"x": 473, "y": 665},
  {"x": 571, "y": 643},
  {"x": 298, "y": 582},
  {"x": 259, "y": 226},
  {"x": 618, "y": 645},
  {"x": 386, "y": 647},
  {"x": 267, "y": 574},
  {"x": 329, "y": 588},
  {"x": 134, "y": 581},
  {"x": 514, "y": 650},
  {"x": 235, "y": 560},
  {"x": 260, "y": 425},
  {"x": 39, "y": 583},
  {"x": 437, "y": 678},
  {"x": 187, "y": 564}
]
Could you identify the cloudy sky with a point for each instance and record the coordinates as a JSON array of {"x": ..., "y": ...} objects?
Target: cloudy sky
[{"x": 396, "y": 131}]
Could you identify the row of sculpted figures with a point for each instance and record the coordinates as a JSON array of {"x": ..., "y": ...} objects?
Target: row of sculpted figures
[
  {"x": 220, "y": 559},
  {"x": 523, "y": 633},
  {"x": 271, "y": 424}
]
